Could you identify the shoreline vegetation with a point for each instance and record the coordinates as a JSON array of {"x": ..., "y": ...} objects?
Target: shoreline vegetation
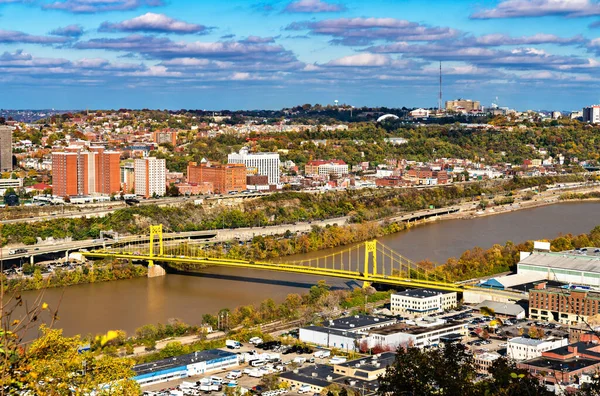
[
  {"x": 283, "y": 208},
  {"x": 319, "y": 238}
]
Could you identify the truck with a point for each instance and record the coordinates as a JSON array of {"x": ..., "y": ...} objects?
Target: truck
[
  {"x": 299, "y": 360},
  {"x": 233, "y": 344},
  {"x": 255, "y": 373},
  {"x": 322, "y": 354}
]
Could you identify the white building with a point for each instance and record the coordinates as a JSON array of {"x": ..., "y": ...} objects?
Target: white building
[
  {"x": 5, "y": 184},
  {"x": 520, "y": 348},
  {"x": 267, "y": 164},
  {"x": 333, "y": 169},
  {"x": 345, "y": 333},
  {"x": 579, "y": 267},
  {"x": 418, "y": 334},
  {"x": 422, "y": 301},
  {"x": 150, "y": 177},
  {"x": 591, "y": 114}
]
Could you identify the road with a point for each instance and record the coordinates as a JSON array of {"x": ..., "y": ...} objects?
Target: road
[{"x": 213, "y": 235}]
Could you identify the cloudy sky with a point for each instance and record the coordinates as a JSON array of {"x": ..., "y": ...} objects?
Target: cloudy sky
[{"x": 250, "y": 54}]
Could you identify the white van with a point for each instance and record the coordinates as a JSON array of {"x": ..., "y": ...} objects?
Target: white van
[
  {"x": 337, "y": 360},
  {"x": 304, "y": 389},
  {"x": 257, "y": 363},
  {"x": 233, "y": 375}
]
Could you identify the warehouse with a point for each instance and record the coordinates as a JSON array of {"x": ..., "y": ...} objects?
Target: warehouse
[
  {"x": 580, "y": 266},
  {"x": 184, "y": 366}
]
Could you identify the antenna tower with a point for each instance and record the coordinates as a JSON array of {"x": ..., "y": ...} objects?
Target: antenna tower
[{"x": 440, "y": 96}]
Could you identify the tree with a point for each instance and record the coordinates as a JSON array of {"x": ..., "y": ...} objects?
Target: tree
[
  {"x": 508, "y": 380},
  {"x": 53, "y": 365},
  {"x": 448, "y": 370}
]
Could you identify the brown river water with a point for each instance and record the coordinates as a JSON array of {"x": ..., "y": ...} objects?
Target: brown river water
[{"x": 128, "y": 304}]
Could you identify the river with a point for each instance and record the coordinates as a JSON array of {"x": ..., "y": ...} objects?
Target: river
[{"x": 128, "y": 304}]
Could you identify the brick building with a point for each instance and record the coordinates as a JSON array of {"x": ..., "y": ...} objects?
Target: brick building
[
  {"x": 335, "y": 168},
  {"x": 224, "y": 178},
  {"x": 565, "y": 364},
  {"x": 391, "y": 181},
  {"x": 427, "y": 176},
  {"x": 570, "y": 305},
  {"x": 76, "y": 171}
]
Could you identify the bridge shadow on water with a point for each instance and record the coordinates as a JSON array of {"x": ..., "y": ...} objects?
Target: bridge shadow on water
[{"x": 277, "y": 282}]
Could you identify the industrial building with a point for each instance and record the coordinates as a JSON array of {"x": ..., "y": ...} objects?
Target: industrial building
[
  {"x": 580, "y": 267},
  {"x": 196, "y": 363},
  {"x": 422, "y": 301}
]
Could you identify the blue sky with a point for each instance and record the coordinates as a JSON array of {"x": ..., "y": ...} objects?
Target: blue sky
[{"x": 232, "y": 54}]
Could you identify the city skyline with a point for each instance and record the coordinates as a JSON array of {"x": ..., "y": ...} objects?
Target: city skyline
[{"x": 538, "y": 54}]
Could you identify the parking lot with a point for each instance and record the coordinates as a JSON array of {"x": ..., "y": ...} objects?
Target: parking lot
[{"x": 250, "y": 376}]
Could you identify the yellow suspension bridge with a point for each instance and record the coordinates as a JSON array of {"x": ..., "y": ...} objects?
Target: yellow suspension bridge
[{"x": 369, "y": 262}]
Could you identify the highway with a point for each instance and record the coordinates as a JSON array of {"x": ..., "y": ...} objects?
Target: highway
[{"x": 220, "y": 235}]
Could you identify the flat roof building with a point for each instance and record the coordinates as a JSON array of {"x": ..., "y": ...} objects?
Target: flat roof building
[
  {"x": 418, "y": 334},
  {"x": 422, "y": 301},
  {"x": 150, "y": 177},
  {"x": 266, "y": 164},
  {"x": 521, "y": 348},
  {"x": 184, "y": 366}
]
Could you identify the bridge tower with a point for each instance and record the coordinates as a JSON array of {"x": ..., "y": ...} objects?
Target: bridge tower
[
  {"x": 155, "y": 232},
  {"x": 370, "y": 253}
]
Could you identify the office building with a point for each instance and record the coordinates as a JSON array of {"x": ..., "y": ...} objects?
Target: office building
[
  {"x": 520, "y": 348},
  {"x": 77, "y": 172},
  {"x": 224, "y": 178},
  {"x": 463, "y": 105},
  {"x": 150, "y": 177},
  {"x": 6, "y": 184},
  {"x": 333, "y": 168},
  {"x": 6, "y": 161},
  {"x": 484, "y": 361},
  {"x": 419, "y": 334},
  {"x": 266, "y": 164},
  {"x": 591, "y": 114},
  {"x": 422, "y": 301}
]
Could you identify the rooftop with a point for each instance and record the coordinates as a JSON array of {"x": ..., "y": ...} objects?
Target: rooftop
[
  {"x": 375, "y": 363},
  {"x": 501, "y": 307},
  {"x": 530, "y": 341},
  {"x": 421, "y": 293},
  {"x": 184, "y": 360},
  {"x": 317, "y": 375},
  {"x": 343, "y": 333},
  {"x": 582, "y": 260},
  {"x": 414, "y": 330},
  {"x": 561, "y": 365},
  {"x": 357, "y": 322}
]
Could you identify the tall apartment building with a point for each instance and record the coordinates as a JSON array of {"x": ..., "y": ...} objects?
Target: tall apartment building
[
  {"x": 334, "y": 168},
  {"x": 150, "y": 177},
  {"x": 128, "y": 177},
  {"x": 462, "y": 105},
  {"x": 591, "y": 114},
  {"x": 224, "y": 178},
  {"x": 266, "y": 164},
  {"x": 5, "y": 148},
  {"x": 78, "y": 172}
]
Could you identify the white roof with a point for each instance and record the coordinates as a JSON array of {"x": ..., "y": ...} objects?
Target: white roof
[
  {"x": 563, "y": 260},
  {"x": 519, "y": 279}
]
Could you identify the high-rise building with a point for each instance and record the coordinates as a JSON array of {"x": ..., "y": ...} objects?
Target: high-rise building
[
  {"x": 466, "y": 105},
  {"x": 266, "y": 164},
  {"x": 224, "y": 178},
  {"x": 76, "y": 172},
  {"x": 6, "y": 148},
  {"x": 591, "y": 114},
  {"x": 150, "y": 177},
  {"x": 128, "y": 177}
]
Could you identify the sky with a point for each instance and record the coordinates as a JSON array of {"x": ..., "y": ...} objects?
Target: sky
[{"x": 271, "y": 54}]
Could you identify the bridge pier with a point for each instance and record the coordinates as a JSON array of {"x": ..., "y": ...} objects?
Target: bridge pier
[
  {"x": 155, "y": 271},
  {"x": 31, "y": 260}
]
